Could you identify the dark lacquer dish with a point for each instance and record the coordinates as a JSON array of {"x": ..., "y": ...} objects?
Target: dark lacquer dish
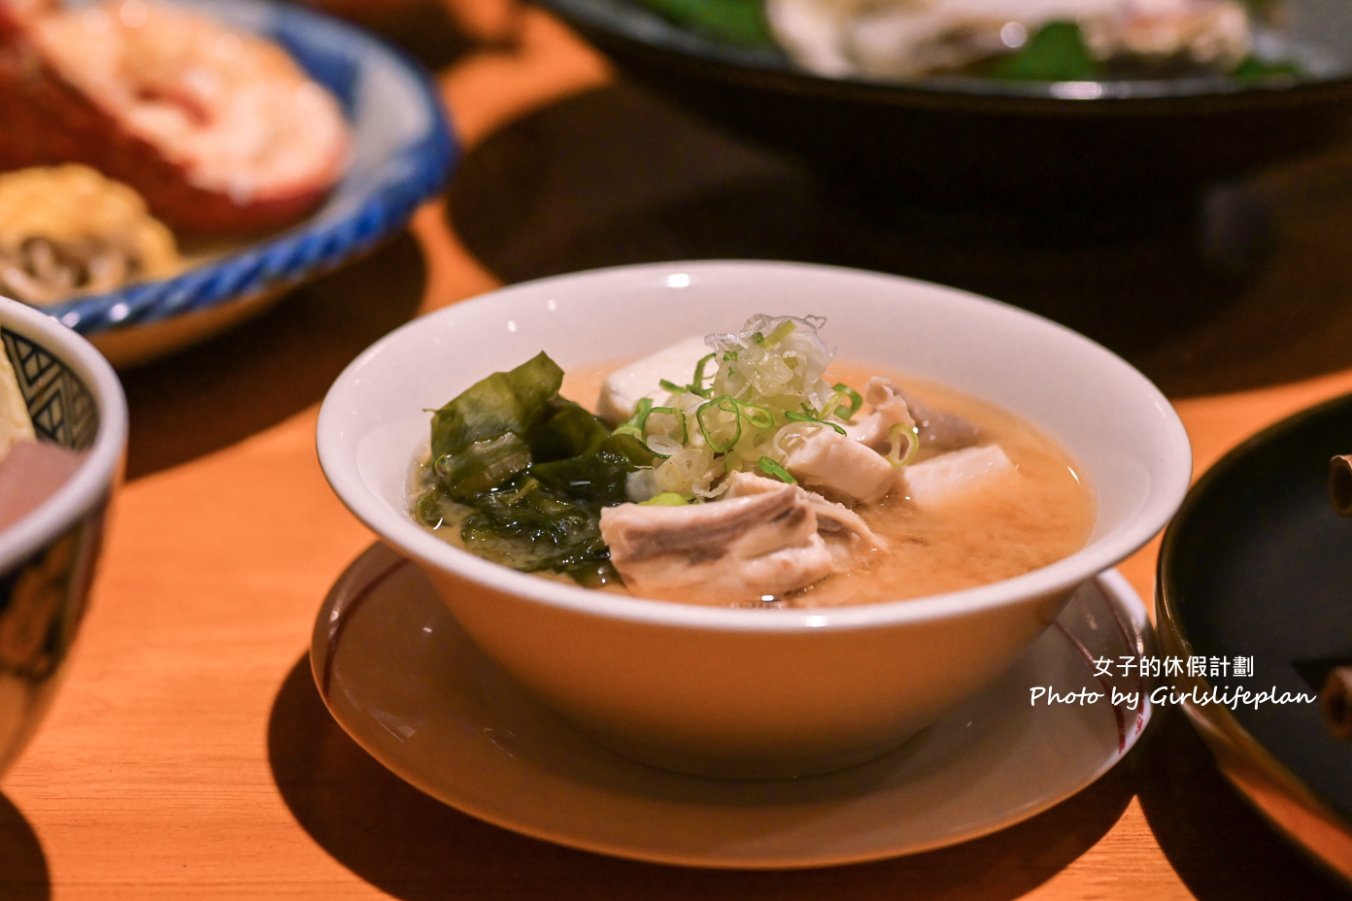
[
  {"x": 1256, "y": 567},
  {"x": 966, "y": 138}
]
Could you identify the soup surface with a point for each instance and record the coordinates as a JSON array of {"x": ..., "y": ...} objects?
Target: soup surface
[{"x": 1005, "y": 526}]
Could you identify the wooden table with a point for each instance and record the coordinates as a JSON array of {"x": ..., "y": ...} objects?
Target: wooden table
[{"x": 189, "y": 755}]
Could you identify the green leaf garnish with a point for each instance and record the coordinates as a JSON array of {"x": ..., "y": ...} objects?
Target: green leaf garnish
[{"x": 1055, "y": 52}]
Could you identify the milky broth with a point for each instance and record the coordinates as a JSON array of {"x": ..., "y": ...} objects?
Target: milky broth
[{"x": 1007, "y": 526}]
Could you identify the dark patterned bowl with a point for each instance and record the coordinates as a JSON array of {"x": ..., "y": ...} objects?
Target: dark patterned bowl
[{"x": 48, "y": 555}]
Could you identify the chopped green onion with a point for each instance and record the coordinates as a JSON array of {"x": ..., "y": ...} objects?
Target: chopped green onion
[
  {"x": 680, "y": 417},
  {"x": 894, "y": 454},
  {"x": 759, "y": 417},
  {"x": 771, "y": 468},
  {"x": 856, "y": 401},
  {"x": 727, "y": 404},
  {"x": 697, "y": 383},
  {"x": 813, "y": 418},
  {"x": 634, "y": 424}
]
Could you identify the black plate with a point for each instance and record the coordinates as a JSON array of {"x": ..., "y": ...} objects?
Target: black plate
[
  {"x": 971, "y": 141},
  {"x": 1257, "y": 565}
]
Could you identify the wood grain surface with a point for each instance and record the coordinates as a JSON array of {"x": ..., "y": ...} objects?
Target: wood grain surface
[{"x": 188, "y": 755}]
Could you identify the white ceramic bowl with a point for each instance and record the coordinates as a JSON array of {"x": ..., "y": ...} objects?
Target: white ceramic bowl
[
  {"x": 738, "y": 692},
  {"x": 47, "y": 558}
]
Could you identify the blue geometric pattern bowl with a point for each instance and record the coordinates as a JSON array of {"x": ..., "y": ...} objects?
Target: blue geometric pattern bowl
[
  {"x": 48, "y": 554},
  {"x": 59, "y": 403},
  {"x": 402, "y": 153}
]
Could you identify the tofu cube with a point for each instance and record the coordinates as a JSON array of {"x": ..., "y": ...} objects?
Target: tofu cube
[
  {"x": 626, "y": 386},
  {"x": 944, "y": 477}
]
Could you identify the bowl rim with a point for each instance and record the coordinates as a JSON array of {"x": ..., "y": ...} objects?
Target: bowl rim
[
  {"x": 1171, "y": 469},
  {"x": 102, "y": 466}
]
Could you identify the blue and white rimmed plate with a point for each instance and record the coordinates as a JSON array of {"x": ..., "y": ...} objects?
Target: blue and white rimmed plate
[{"x": 402, "y": 152}]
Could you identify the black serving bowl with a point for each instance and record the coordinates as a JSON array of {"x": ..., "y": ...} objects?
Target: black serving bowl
[
  {"x": 971, "y": 141},
  {"x": 1257, "y": 567}
]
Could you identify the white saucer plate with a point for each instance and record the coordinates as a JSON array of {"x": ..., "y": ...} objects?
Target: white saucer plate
[{"x": 403, "y": 680}]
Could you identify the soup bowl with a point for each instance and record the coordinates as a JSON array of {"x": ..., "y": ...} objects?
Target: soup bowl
[
  {"x": 735, "y": 692},
  {"x": 50, "y": 537}
]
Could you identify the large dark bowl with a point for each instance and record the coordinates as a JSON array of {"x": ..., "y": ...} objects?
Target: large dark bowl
[
  {"x": 1257, "y": 567},
  {"x": 972, "y": 141}
]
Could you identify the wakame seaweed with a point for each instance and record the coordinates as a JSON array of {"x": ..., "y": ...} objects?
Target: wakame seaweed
[{"x": 528, "y": 472}]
